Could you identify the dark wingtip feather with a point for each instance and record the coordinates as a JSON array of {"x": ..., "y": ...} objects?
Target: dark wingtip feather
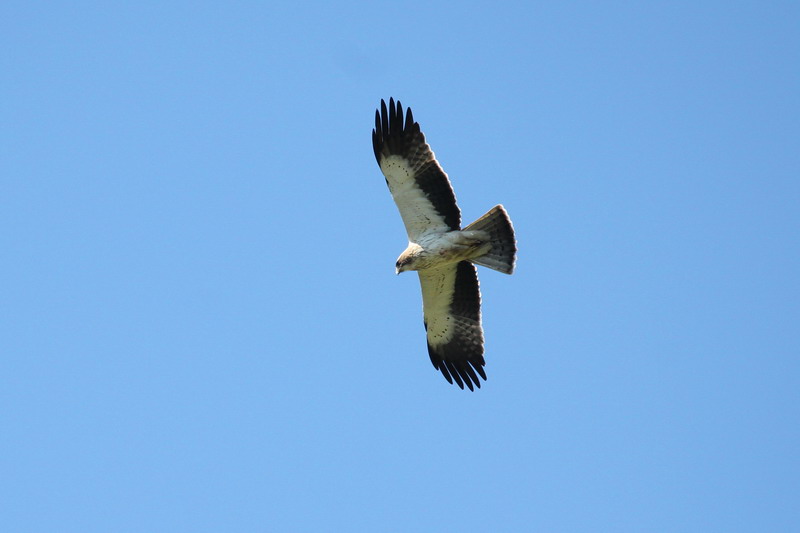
[
  {"x": 454, "y": 372},
  {"x": 384, "y": 119},
  {"x": 468, "y": 382},
  {"x": 395, "y": 119},
  {"x": 472, "y": 376},
  {"x": 443, "y": 369},
  {"x": 479, "y": 368}
]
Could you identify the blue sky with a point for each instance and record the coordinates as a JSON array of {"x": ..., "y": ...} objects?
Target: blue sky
[{"x": 201, "y": 328}]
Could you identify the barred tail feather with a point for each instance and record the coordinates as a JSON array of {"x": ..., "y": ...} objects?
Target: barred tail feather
[{"x": 503, "y": 253}]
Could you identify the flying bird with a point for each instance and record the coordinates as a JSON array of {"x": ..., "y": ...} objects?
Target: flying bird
[{"x": 442, "y": 253}]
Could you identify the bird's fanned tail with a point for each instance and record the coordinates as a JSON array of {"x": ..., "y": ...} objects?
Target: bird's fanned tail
[{"x": 503, "y": 254}]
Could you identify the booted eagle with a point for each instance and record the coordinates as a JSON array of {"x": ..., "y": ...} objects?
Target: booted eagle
[{"x": 439, "y": 250}]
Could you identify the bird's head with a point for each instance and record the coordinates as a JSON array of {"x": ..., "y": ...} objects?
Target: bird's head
[
  {"x": 402, "y": 265},
  {"x": 407, "y": 259}
]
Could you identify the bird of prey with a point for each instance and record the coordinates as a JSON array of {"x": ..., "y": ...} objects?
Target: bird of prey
[{"x": 442, "y": 253}]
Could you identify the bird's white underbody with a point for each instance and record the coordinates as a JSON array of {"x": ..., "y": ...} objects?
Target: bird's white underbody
[{"x": 438, "y": 249}]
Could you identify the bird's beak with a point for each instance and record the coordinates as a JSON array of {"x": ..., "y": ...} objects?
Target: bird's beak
[{"x": 397, "y": 271}]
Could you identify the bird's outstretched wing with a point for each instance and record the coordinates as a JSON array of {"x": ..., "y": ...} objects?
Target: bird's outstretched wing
[
  {"x": 451, "y": 302},
  {"x": 418, "y": 184}
]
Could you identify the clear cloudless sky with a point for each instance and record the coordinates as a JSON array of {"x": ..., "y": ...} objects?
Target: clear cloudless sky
[{"x": 200, "y": 324}]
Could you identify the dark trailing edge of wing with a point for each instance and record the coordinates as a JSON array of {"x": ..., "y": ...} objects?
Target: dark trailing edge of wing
[
  {"x": 462, "y": 357},
  {"x": 394, "y": 136}
]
